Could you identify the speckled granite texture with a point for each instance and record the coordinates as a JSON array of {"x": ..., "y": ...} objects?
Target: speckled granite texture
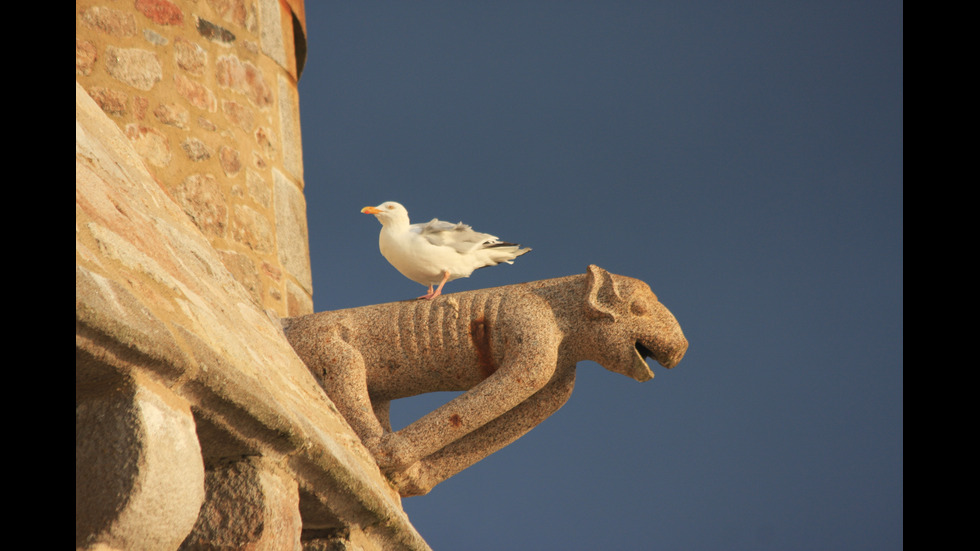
[{"x": 512, "y": 349}]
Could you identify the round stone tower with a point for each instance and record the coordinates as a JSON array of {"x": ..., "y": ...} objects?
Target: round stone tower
[{"x": 206, "y": 91}]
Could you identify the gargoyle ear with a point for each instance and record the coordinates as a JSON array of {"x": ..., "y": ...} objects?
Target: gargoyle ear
[{"x": 602, "y": 296}]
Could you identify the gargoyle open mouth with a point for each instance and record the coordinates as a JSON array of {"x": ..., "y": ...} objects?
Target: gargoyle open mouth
[
  {"x": 643, "y": 351},
  {"x": 640, "y": 370},
  {"x": 670, "y": 359}
]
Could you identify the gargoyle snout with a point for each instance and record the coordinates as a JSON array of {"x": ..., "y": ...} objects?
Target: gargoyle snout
[
  {"x": 676, "y": 355},
  {"x": 667, "y": 353},
  {"x": 667, "y": 343}
]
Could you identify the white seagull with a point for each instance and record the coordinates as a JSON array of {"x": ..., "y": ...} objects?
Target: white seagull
[{"x": 436, "y": 252}]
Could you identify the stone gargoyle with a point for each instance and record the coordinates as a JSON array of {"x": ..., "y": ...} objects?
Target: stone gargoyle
[{"x": 513, "y": 349}]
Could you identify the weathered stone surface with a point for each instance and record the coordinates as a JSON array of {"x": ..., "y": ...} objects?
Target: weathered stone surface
[
  {"x": 140, "y": 106},
  {"x": 237, "y": 12},
  {"x": 172, "y": 114},
  {"x": 512, "y": 349},
  {"x": 214, "y": 32},
  {"x": 245, "y": 272},
  {"x": 206, "y": 124},
  {"x": 239, "y": 115},
  {"x": 291, "y": 137},
  {"x": 148, "y": 65},
  {"x": 298, "y": 301},
  {"x": 231, "y": 162},
  {"x": 245, "y": 78},
  {"x": 155, "y": 38},
  {"x": 265, "y": 140},
  {"x": 252, "y": 229},
  {"x": 190, "y": 56},
  {"x": 113, "y": 102},
  {"x": 110, "y": 21},
  {"x": 196, "y": 93},
  {"x": 258, "y": 188},
  {"x": 134, "y": 66},
  {"x": 259, "y": 162},
  {"x": 251, "y": 504},
  {"x": 85, "y": 56},
  {"x": 292, "y": 237},
  {"x": 201, "y": 197},
  {"x": 271, "y": 33},
  {"x": 196, "y": 150},
  {"x": 161, "y": 12},
  {"x": 151, "y": 144},
  {"x": 137, "y": 461},
  {"x": 154, "y": 302}
]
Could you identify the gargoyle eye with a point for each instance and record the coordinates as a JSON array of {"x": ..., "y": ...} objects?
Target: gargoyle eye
[{"x": 639, "y": 308}]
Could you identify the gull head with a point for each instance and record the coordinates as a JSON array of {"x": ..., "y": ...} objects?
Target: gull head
[{"x": 388, "y": 212}]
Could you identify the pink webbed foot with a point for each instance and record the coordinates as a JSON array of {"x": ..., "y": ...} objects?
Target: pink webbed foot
[{"x": 433, "y": 294}]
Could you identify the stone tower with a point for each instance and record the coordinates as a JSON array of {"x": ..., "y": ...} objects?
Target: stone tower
[
  {"x": 206, "y": 92},
  {"x": 196, "y": 425}
]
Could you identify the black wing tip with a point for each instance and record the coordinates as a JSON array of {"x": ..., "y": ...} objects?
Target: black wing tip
[{"x": 505, "y": 244}]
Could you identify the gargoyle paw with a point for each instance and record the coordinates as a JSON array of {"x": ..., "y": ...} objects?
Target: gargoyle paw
[
  {"x": 411, "y": 481},
  {"x": 393, "y": 452}
]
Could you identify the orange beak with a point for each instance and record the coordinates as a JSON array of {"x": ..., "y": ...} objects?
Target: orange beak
[{"x": 370, "y": 210}]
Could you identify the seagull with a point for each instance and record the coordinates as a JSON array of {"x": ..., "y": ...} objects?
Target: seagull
[{"x": 436, "y": 252}]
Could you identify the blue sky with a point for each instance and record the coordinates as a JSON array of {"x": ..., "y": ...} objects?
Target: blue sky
[{"x": 744, "y": 159}]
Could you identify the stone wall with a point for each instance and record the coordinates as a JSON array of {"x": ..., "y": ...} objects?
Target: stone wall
[
  {"x": 196, "y": 425},
  {"x": 205, "y": 90}
]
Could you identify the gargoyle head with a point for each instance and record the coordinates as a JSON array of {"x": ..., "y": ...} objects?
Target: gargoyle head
[{"x": 629, "y": 325}]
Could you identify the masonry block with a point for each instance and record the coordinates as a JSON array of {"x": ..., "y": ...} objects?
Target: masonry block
[{"x": 139, "y": 476}]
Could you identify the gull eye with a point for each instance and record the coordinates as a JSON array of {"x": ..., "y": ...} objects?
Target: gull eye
[{"x": 390, "y": 207}]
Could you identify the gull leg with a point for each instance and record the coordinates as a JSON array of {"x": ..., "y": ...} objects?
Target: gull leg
[
  {"x": 445, "y": 278},
  {"x": 433, "y": 294}
]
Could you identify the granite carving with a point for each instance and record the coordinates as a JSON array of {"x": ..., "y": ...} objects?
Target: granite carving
[{"x": 512, "y": 349}]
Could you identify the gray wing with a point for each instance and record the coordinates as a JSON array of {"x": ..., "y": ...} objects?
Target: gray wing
[{"x": 459, "y": 236}]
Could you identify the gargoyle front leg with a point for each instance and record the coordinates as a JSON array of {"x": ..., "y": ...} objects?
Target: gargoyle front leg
[
  {"x": 340, "y": 370},
  {"x": 421, "y": 477},
  {"x": 382, "y": 411},
  {"x": 527, "y": 368}
]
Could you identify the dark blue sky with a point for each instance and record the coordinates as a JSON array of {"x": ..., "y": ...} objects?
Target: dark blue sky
[{"x": 745, "y": 159}]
